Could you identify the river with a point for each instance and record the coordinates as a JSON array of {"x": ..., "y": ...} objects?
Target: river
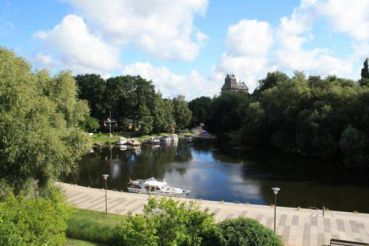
[{"x": 215, "y": 172}]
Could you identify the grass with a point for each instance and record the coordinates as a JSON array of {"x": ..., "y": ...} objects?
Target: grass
[
  {"x": 92, "y": 226},
  {"x": 75, "y": 242}
]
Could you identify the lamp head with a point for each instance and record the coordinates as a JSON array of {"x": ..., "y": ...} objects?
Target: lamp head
[
  {"x": 105, "y": 176},
  {"x": 275, "y": 190}
]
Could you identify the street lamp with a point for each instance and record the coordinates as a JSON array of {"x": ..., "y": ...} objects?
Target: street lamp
[
  {"x": 105, "y": 176},
  {"x": 275, "y": 191}
]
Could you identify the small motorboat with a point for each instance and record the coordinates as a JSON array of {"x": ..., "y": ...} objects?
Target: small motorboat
[
  {"x": 133, "y": 142},
  {"x": 154, "y": 186},
  {"x": 154, "y": 141},
  {"x": 123, "y": 147},
  {"x": 121, "y": 141},
  {"x": 166, "y": 139},
  {"x": 174, "y": 138}
]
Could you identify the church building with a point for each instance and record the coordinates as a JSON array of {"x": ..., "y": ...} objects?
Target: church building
[{"x": 231, "y": 84}]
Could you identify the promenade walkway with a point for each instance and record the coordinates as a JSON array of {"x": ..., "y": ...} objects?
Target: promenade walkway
[{"x": 297, "y": 227}]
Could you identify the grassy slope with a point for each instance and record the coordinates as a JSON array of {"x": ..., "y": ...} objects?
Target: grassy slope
[{"x": 92, "y": 226}]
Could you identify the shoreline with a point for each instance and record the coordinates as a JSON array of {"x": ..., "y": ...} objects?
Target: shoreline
[
  {"x": 228, "y": 203},
  {"x": 296, "y": 227}
]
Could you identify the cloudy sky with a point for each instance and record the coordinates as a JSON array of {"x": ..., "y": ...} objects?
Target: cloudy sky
[{"x": 187, "y": 46}]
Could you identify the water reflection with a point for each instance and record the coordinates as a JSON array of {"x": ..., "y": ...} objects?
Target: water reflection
[{"x": 217, "y": 173}]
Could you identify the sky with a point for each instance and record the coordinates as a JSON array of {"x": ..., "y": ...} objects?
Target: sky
[{"x": 186, "y": 47}]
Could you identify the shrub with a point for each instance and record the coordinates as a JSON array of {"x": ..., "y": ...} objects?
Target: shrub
[
  {"x": 33, "y": 221},
  {"x": 246, "y": 232},
  {"x": 136, "y": 231},
  {"x": 167, "y": 222}
]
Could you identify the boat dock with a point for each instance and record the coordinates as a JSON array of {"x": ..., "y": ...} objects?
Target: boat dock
[{"x": 296, "y": 226}]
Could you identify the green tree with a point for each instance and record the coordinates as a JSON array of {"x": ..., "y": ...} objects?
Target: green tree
[
  {"x": 182, "y": 114},
  {"x": 39, "y": 138},
  {"x": 163, "y": 114},
  {"x": 33, "y": 221},
  {"x": 365, "y": 74},
  {"x": 353, "y": 146},
  {"x": 92, "y": 87},
  {"x": 91, "y": 124},
  {"x": 200, "y": 108}
]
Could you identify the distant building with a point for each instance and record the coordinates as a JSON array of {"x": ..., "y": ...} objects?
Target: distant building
[{"x": 231, "y": 84}]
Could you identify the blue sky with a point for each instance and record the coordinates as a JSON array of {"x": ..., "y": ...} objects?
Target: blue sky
[{"x": 187, "y": 46}]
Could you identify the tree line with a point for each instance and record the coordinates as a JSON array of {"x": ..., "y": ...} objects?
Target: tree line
[
  {"x": 314, "y": 116},
  {"x": 133, "y": 102}
]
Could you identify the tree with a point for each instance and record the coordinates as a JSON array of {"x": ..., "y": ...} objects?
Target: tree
[
  {"x": 91, "y": 124},
  {"x": 92, "y": 87},
  {"x": 163, "y": 114},
  {"x": 365, "y": 74},
  {"x": 200, "y": 108},
  {"x": 33, "y": 221},
  {"x": 352, "y": 144},
  {"x": 227, "y": 112},
  {"x": 39, "y": 137},
  {"x": 182, "y": 114}
]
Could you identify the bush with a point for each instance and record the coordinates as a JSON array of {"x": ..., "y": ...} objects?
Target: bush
[
  {"x": 167, "y": 222},
  {"x": 246, "y": 232},
  {"x": 33, "y": 221}
]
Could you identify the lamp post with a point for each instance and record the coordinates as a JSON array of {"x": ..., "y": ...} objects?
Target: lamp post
[
  {"x": 275, "y": 191},
  {"x": 105, "y": 176}
]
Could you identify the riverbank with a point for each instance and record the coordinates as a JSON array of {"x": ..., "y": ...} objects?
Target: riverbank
[
  {"x": 106, "y": 138},
  {"x": 295, "y": 226}
]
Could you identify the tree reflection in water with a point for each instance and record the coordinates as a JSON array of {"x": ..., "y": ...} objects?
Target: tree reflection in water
[{"x": 218, "y": 172}]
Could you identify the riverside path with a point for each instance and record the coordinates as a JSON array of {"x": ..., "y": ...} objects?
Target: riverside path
[{"x": 297, "y": 227}]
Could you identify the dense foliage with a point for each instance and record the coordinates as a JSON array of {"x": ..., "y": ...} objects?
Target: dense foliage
[
  {"x": 166, "y": 222},
  {"x": 39, "y": 124},
  {"x": 134, "y": 103},
  {"x": 246, "y": 232},
  {"x": 35, "y": 221},
  {"x": 325, "y": 117}
]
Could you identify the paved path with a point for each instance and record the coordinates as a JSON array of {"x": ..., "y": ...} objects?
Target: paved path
[{"x": 297, "y": 227}]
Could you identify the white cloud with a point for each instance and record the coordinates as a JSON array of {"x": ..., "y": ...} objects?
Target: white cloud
[
  {"x": 347, "y": 16},
  {"x": 169, "y": 84},
  {"x": 248, "y": 43},
  {"x": 296, "y": 30},
  {"x": 75, "y": 47},
  {"x": 160, "y": 27}
]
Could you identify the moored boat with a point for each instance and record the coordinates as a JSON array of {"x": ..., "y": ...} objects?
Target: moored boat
[
  {"x": 133, "y": 142},
  {"x": 121, "y": 141},
  {"x": 154, "y": 186},
  {"x": 154, "y": 141}
]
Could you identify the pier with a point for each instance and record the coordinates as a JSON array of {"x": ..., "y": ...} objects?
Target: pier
[{"x": 296, "y": 226}]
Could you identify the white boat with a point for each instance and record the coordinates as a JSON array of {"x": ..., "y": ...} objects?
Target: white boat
[
  {"x": 154, "y": 141},
  {"x": 123, "y": 147},
  {"x": 174, "y": 137},
  {"x": 121, "y": 141},
  {"x": 154, "y": 186},
  {"x": 166, "y": 139},
  {"x": 133, "y": 142}
]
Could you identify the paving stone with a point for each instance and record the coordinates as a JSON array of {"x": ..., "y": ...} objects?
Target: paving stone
[{"x": 300, "y": 227}]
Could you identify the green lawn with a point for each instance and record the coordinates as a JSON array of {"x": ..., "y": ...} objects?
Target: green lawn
[
  {"x": 92, "y": 226},
  {"x": 75, "y": 242}
]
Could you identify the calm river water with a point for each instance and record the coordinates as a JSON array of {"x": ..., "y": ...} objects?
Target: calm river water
[{"x": 236, "y": 175}]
